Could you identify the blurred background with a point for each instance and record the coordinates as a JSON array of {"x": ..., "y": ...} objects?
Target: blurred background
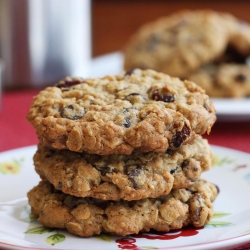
[
  {"x": 114, "y": 21},
  {"x": 39, "y": 46},
  {"x": 42, "y": 41}
]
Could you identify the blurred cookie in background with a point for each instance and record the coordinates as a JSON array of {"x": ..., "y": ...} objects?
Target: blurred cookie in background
[
  {"x": 208, "y": 47},
  {"x": 223, "y": 80},
  {"x": 177, "y": 44}
]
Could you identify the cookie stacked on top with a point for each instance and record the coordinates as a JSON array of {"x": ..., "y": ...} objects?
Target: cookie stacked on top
[
  {"x": 122, "y": 154},
  {"x": 208, "y": 47}
]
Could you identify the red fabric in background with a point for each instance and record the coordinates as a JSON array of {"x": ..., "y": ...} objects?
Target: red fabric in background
[{"x": 16, "y": 132}]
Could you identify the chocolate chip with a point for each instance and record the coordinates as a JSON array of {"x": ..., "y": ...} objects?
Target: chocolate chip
[
  {"x": 73, "y": 112},
  {"x": 160, "y": 97},
  {"x": 181, "y": 136},
  {"x": 127, "y": 122}
]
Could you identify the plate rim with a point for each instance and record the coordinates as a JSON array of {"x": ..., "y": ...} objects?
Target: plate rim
[{"x": 236, "y": 240}]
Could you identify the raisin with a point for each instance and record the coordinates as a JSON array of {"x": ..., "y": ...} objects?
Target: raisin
[
  {"x": 126, "y": 110},
  {"x": 128, "y": 123},
  {"x": 196, "y": 203},
  {"x": 72, "y": 201},
  {"x": 178, "y": 25},
  {"x": 50, "y": 153},
  {"x": 168, "y": 98},
  {"x": 129, "y": 72},
  {"x": 135, "y": 97},
  {"x": 153, "y": 42},
  {"x": 190, "y": 190},
  {"x": 135, "y": 186},
  {"x": 185, "y": 164},
  {"x": 181, "y": 136},
  {"x": 133, "y": 171},
  {"x": 240, "y": 78},
  {"x": 103, "y": 204},
  {"x": 173, "y": 170},
  {"x": 68, "y": 83},
  {"x": 160, "y": 97},
  {"x": 59, "y": 186},
  {"x": 170, "y": 151},
  {"x": 104, "y": 169},
  {"x": 230, "y": 55},
  {"x": 171, "y": 41},
  {"x": 196, "y": 214},
  {"x": 73, "y": 112}
]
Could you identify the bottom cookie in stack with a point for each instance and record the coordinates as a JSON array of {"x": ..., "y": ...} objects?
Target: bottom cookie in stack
[
  {"x": 123, "y": 194},
  {"x": 89, "y": 216}
]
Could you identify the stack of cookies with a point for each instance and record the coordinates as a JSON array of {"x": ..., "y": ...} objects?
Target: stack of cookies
[
  {"x": 122, "y": 154},
  {"x": 207, "y": 47}
]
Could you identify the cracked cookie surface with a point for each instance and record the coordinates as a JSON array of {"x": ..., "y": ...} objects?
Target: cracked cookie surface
[
  {"x": 87, "y": 217},
  {"x": 140, "y": 111},
  {"x": 128, "y": 177}
]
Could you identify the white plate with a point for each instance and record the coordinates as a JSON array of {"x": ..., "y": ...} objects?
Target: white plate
[
  {"x": 230, "y": 226},
  {"x": 226, "y": 109},
  {"x": 232, "y": 109}
]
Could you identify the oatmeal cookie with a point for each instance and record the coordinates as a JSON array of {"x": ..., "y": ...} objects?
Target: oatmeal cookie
[
  {"x": 177, "y": 44},
  {"x": 224, "y": 79},
  {"x": 128, "y": 177},
  {"x": 87, "y": 216},
  {"x": 239, "y": 33},
  {"x": 141, "y": 111}
]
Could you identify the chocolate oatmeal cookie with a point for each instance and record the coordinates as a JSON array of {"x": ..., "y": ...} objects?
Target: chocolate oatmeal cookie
[
  {"x": 140, "y": 111},
  {"x": 128, "y": 177},
  {"x": 87, "y": 217},
  {"x": 177, "y": 44}
]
